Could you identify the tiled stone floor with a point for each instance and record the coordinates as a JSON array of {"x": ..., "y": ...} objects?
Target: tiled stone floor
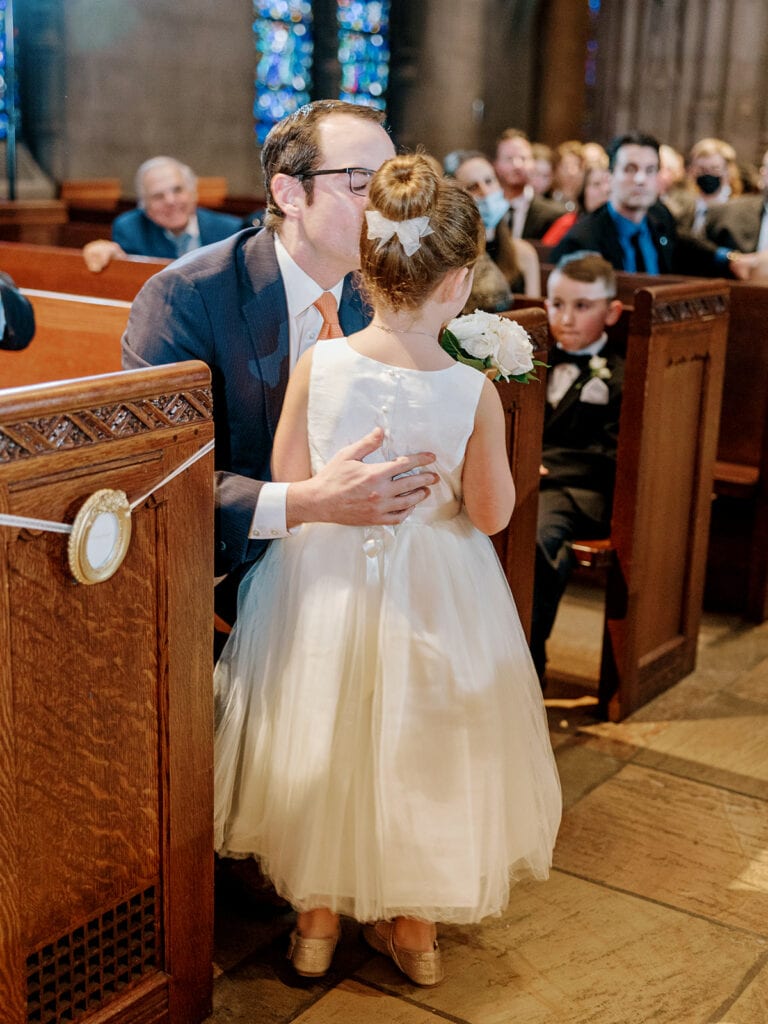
[{"x": 656, "y": 911}]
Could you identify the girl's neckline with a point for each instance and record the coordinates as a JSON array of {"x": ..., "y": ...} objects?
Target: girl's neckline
[{"x": 396, "y": 366}]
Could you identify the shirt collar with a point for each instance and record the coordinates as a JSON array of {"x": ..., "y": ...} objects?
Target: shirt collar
[
  {"x": 626, "y": 227},
  {"x": 591, "y": 350},
  {"x": 301, "y": 290},
  {"x": 524, "y": 199},
  {"x": 192, "y": 229}
]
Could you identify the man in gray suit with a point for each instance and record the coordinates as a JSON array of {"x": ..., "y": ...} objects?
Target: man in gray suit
[{"x": 245, "y": 306}]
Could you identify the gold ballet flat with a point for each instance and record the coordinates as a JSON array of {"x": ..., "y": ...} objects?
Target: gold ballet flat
[
  {"x": 311, "y": 958},
  {"x": 423, "y": 968}
]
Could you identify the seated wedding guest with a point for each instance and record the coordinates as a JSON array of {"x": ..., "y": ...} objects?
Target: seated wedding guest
[
  {"x": 167, "y": 222},
  {"x": 541, "y": 175},
  {"x": 568, "y": 173},
  {"x": 671, "y": 170},
  {"x": 516, "y": 257},
  {"x": 712, "y": 179},
  {"x": 581, "y": 426},
  {"x": 637, "y": 233},
  {"x": 529, "y": 215},
  {"x": 594, "y": 155},
  {"x": 594, "y": 192},
  {"x": 742, "y": 223},
  {"x": 17, "y": 318}
]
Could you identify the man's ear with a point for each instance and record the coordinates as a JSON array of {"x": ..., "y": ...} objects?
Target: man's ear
[
  {"x": 614, "y": 312},
  {"x": 288, "y": 192}
]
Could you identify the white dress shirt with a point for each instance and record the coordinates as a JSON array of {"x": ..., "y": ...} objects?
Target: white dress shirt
[
  {"x": 762, "y": 239},
  {"x": 562, "y": 376},
  {"x": 304, "y": 323},
  {"x": 519, "y": 210},
  {"x": 191, "y": 233}
]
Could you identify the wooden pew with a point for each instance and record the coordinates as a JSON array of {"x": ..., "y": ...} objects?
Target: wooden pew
[
  {"x": 675, "y": 339},
  {"x": 91, "y": 193},
  {"x": 659, "y": 529},
  {"x": 524, "y": 412},
  {"x": 737, "y": 558},
  {"x": 58, "y": 269},
  {"x": 75, "y": 336},
  {"x": 32, "y": 220},
  {"x": 737, "y": 564},
  {"x": 106, "y": 746}
]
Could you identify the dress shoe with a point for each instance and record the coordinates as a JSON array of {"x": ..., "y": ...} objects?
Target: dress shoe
[
  {"x": 311, "y": 958},
  {"x": 423, "y": 968}
]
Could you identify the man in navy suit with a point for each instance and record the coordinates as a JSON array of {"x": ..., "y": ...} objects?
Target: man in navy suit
[
  {"x": 637, "y": 233},
  {"x": 581, "y": 427},
  {"x": 167, "y": 222},
  {"x": 245, "y": 306}
]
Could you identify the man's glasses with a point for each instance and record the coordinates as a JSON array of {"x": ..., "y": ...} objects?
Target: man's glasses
[{"x": 359, "y": 177}]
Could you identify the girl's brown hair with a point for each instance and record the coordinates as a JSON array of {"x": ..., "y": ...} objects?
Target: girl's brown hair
[{"x": 410, "y": 186}]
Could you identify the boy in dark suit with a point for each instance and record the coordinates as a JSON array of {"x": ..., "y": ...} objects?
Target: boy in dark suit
[{"x": 581, "y": 426}]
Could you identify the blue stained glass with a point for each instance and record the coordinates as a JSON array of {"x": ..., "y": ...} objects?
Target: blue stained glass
[
  {"x": 3, "y": 104},
  {"x": 283, "y": 38},
  {"x": 364, "y": 51}
]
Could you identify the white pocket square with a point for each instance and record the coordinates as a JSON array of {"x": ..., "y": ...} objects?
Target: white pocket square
[{"x": 595, "y": 392}]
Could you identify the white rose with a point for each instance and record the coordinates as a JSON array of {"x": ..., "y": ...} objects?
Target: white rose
[
  {"x": 515, "y": 351},
  {"x": 471, "y": 333}
]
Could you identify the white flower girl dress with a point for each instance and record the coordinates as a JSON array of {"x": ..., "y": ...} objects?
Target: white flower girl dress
[{"x": 381, "y": 741}]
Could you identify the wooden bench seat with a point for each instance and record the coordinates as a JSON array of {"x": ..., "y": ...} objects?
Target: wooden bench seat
[
  {"x": 59, "y": 269},
  {"x": 75, "y": 336}
]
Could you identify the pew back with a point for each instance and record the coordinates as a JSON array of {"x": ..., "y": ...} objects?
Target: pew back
[
  {"x": 737, "y": 570},
  {"x": 75, "y": 336},
  {"x": 106, "y": 745},
  {"x": 524, "y": 414},
  {"x": 667, "y": 445},
  {"x": 58, "y": 269}
]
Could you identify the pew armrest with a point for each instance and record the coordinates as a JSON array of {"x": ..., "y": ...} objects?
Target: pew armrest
[
  {"x": 593, "y": 554},
  {"x": 736, "y": 480}
]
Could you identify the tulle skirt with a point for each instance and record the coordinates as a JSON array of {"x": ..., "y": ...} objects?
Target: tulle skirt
[{"x": 381, "y": 742}]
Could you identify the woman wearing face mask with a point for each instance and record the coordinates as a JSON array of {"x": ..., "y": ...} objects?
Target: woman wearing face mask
[
  {"x": 516, "y": 257},
  {"x": 712, "y": 179}
]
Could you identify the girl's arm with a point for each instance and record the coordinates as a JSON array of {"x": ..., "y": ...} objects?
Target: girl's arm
[
  {"x": 489, "y": 491},
  {"x": 290, "y": 451}
]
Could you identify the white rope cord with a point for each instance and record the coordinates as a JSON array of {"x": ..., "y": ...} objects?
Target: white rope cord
[{"x": 52, "y": 527}]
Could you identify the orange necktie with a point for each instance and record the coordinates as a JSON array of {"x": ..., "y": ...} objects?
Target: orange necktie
[{"x": 326, "y": 306}]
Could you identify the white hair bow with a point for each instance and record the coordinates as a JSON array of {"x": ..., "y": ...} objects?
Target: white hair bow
[{"x": 408, "y": 231}]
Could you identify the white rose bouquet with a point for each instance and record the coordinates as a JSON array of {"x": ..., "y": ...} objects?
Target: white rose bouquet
[{"x": 498, "y": 347}]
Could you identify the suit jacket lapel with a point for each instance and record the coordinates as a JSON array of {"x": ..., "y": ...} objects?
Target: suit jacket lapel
[{"x": 262, "y": 298}]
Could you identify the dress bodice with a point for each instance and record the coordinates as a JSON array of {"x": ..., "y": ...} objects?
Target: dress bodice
[{"x": 418, "y": 410}]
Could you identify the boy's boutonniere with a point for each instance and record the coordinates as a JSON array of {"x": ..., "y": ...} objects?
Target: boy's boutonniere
[{"x": 598, "y": 367}]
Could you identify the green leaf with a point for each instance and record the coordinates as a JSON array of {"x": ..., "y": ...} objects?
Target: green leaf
[{"x": 450, "y": 343}]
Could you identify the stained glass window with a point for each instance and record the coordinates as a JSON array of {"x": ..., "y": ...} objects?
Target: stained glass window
[
  {"x": 3, "y": 84},
  {"x": 364, "y": 50},
  {"x": 283, "y": 33},
  {"x": 285, "y": 42},
  {"x": 591, "y": 68}
]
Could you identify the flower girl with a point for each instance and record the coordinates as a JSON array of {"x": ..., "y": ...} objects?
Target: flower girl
[{"x": 381, "y": 742}]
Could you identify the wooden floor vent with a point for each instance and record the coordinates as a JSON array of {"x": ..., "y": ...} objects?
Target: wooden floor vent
[{"x": 72, "y": 976}]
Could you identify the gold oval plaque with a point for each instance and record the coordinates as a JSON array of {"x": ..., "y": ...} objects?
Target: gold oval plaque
[{"x": 100, "y": 536}]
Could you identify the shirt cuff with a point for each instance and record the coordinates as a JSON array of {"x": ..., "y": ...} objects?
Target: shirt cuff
[{"x": 269, "y": 515}]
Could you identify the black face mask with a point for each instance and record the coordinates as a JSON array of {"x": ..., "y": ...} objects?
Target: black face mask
[{"x": 708, "y": 183}]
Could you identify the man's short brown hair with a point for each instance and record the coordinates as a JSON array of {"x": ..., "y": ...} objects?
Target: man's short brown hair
[{"x": 292, "y": 146}]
